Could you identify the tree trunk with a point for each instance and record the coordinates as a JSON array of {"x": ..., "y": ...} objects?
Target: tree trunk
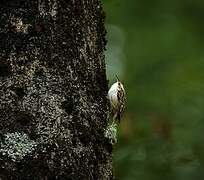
[{"x": 53, "y": 87}]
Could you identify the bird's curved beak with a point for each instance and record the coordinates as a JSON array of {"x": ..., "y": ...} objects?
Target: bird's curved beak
[{"x": 117, "y": 78}]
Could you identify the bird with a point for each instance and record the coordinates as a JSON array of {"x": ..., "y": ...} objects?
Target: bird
[{"x": 117, "y": 97}]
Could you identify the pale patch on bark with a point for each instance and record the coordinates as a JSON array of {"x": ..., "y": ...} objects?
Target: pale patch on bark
[
  {"x": 53, "y": 6},
  {"x": 19, "y": 25},
  {"x": 17, "y": 145}
]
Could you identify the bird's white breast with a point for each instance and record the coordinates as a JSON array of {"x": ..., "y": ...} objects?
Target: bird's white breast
[{"x": 112, "y": 94}]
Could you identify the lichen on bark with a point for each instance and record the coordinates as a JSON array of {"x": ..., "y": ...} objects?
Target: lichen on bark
[{"x": 53, "y": 87}]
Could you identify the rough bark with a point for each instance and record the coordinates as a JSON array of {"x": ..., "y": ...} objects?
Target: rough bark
[{"x": 53, "y": 105}]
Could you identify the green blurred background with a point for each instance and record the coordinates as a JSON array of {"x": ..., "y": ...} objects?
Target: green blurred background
[{"x": 156, "y": 47}]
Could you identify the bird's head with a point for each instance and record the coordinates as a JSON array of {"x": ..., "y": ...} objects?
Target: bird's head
[{"x": 119, "y": 83}]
